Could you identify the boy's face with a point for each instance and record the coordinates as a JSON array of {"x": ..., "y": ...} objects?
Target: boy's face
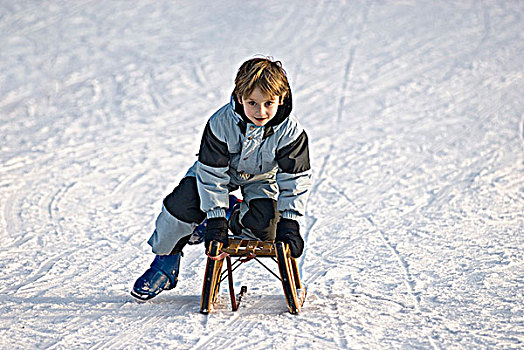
[{"x": 259, "y": 108}]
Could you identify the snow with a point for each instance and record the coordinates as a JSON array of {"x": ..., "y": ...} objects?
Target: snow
[{"x": 414, "y": 230}]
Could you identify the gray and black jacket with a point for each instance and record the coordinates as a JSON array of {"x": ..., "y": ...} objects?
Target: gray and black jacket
[{"x": 273, "y": 159}]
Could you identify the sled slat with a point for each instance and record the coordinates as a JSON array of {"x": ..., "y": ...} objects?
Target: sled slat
[{"x": 241, "y": 247}]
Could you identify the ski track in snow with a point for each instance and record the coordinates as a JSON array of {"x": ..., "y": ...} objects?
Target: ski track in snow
[{"x": 415, "y": 223}]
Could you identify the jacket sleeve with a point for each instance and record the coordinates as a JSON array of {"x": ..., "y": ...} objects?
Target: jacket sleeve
[
  {"x": 294, "y": 175},
  {"x": 211, "y": 171}
]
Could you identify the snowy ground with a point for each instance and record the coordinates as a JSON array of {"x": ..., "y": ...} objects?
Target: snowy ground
[{"x": 415, "y": 111}]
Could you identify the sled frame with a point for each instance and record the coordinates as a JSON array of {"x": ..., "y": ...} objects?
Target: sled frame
[{"x": 245, "y": 250}]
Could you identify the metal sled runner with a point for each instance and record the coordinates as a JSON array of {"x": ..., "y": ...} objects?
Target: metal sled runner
[{"x": 245, "y": 250}]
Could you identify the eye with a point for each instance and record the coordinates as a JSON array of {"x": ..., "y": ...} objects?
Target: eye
[
  {"x": 269, "y": 103},
  {"x": 252, "y": 103}
]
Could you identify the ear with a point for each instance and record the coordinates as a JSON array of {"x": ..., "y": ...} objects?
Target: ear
[{"x": 239, "y": 99}]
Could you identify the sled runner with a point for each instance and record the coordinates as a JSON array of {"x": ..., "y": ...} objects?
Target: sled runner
[{"x": 246, "y": 250}]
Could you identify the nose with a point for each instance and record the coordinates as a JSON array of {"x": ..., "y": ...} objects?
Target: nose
[{"x": 261, "y": 110}]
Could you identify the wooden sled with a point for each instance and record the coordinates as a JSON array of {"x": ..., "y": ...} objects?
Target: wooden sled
[{"x": 245, "y": 250}]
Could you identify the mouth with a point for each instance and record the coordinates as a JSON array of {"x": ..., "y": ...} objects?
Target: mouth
[{"x": 259, "y": 121}]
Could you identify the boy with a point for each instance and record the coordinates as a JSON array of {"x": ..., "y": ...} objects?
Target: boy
[{"x": 252, "y": 143}]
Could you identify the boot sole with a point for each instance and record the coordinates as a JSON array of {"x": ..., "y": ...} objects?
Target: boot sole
[{"x": 142, "y": 297}]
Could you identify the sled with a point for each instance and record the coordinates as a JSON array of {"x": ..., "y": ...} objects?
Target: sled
[{"x": 245, "y": 250}]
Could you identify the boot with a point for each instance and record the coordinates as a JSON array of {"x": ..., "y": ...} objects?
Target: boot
[
  {"x": 162, "y": 275},
  {"x": 233, "y": 215},
  {"x": 234, "y": 222}
]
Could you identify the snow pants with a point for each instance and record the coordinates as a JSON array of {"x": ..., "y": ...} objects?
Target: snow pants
[{"x": 181, "y": 212}]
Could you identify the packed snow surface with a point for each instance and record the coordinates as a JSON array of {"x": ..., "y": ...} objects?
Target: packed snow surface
[{"x": 415, "y": 224}]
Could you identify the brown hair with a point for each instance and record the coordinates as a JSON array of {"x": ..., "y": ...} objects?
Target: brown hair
[{"x": 267, "y": 75}]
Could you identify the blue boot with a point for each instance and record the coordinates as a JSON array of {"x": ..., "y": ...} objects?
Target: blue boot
[{"x": 162, "y": 275}]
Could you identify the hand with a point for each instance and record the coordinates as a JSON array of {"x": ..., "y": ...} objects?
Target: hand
[
  {"x": 288, "y": 231},
  {"x": 216, "y": 230}
]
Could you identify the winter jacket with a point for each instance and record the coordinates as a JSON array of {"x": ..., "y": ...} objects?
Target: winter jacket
[{"x": 234, "y": 151}]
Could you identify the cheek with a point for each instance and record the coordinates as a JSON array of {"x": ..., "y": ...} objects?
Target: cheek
[
  {"x": 247, "y": 110},
  {"x": 274, "y": 110}
]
